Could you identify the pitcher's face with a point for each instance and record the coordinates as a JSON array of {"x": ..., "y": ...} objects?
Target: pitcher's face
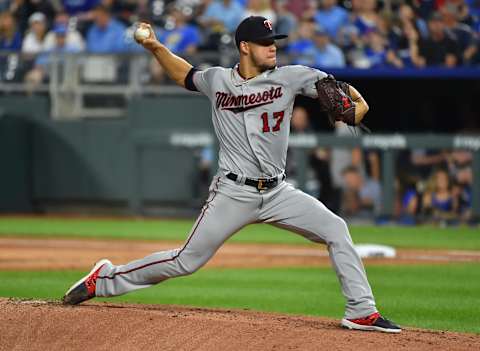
[{"x": 263, "y": 54}]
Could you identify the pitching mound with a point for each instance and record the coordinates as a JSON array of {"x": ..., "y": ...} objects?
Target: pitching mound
[{"x": 39, "y": 325}]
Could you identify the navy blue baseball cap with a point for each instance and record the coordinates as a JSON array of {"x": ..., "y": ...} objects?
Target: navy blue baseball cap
[{"x": 255, "y": 29}]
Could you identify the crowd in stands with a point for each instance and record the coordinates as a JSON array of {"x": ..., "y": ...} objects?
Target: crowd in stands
[
  {"x": 435, "y": 185},
  {"x": 432, "y": 186},
  {"x": 322, "y": 33}
]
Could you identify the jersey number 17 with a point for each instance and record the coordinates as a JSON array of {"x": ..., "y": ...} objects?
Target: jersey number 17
[{"x": 277, "y": 116}]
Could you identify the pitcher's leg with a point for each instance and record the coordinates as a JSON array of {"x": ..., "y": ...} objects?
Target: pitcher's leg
[
  {"x": 220, "y": 218},
  {"x": 294, "y": 210}
]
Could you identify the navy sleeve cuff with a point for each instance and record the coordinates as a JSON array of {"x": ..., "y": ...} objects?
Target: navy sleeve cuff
[{"x": 189, "y": 84}]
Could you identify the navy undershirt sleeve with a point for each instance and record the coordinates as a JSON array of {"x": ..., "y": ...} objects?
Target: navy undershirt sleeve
[{"x": 189, "y": 84}]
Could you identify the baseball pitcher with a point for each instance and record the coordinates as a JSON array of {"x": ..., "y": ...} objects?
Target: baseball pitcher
[{"x": 251, "y": 110}]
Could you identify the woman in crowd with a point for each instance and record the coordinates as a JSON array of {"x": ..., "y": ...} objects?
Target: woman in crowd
[{"x": 438, "y": 199}]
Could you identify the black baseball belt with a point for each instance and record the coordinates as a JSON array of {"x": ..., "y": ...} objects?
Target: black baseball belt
[{"x": 260, "y": 183}]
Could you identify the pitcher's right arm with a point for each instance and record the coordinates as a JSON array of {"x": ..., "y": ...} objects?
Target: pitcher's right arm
[{"x": 176, "y": 67}]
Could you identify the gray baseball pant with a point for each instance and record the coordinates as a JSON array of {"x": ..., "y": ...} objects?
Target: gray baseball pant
[{"x": 231, "y": 206}]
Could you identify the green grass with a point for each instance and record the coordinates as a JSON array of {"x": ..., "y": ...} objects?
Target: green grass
[
  {"x": 400, "y": 237},
  {"x": 438, "y": 297}
]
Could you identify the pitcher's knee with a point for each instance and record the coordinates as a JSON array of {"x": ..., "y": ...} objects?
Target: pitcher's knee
[
  {"x": 340, "y": 233},
  {"x": 340, "y": 225},
  {"x": 191, "y": 266}
]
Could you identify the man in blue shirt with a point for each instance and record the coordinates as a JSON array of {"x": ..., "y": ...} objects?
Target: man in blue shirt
[
  {"x": 302, "y": 49},
  {"x": 10, "y": 36},
  {"x": 41, "y": 68},
  {"x": 106, "y": 35},
  {"x": 331, "y": 17},
  {"x": 73, "y": 7},
  {"x": 327, "y": 55},
  {"x": 227, "y": 13},
  {"x": 183, "y": 38}
]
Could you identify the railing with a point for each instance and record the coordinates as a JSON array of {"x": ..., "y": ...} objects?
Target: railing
[{"x": 87, "y": 85}]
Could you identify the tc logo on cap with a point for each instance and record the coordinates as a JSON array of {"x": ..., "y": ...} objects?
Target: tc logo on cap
[{"x": 268, "y": 24}]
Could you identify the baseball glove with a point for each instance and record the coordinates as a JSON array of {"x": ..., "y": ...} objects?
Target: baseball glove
[{"x": 334, "y": 97}]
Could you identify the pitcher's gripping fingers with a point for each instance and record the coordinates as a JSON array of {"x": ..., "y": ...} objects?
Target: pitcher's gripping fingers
[{"x": 150, "y": 43}]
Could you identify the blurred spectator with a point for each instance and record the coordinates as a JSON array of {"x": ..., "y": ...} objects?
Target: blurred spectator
[
  {"x": 318, "y": 182},
  {"x": 414, "y": 168},
  {"x": 363, "y": 20},
  {"x": 261, "y": 8},
  {"x": 462, "y": 190},
  {"x": 376, "y": 53},
  {"x": 126, "y": 11},
  {"x": 465, "y": 36},
  {"x": 424, "y": 8},
  {"x": 328, "y": 193},
  {"x": 23, "y": 9},
  {"x": 331, "y": 17},
  {"x": 326, "y": 54},
  {"x": 41, "y": 69},
  {"x": 460, "y": 170},
  {"x": 365, "y": 17},
  {"x": 405, "y": 33},
  {"x": 361, "y": 195},
  {"x": 300, "y": 124},
  {"x": 106, "y": 35},
  {"x": 286, "y": 21},
  {"x": 423, "y": 161},
  {"x": 76, "y": 7},
  {"x": 301, "y": 46},
  {"x": 180, "y": 37},
  {"x": 34, "y": 39},
  {"x": 344, "y": 157},
  {"x": 302, "y": 8},
  {"x": 10, "y": 36},
  {"x": 407, "y": 15},
  {"x": 225, "y": 14},
  {"x": 458, "y": 159},
  {"x": 440, "y": 48},
  {"x": 438, "y": 200},
  {"x": 73, "y": 38},
  {"x": 300, "y": 120},
  {"x": 470, "y": 14},
  {"x": 410, "y": 203}
]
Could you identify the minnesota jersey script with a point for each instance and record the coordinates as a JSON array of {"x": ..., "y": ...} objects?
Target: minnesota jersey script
[{"x": 252, "y": 117}]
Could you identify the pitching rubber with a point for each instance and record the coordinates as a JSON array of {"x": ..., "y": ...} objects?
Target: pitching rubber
[
  {"x": 353, "y": 326},
  {"x": 95, "y": 267}
]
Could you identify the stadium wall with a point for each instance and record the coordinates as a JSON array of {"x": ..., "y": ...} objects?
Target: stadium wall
[{"x": 48, "y": 161}]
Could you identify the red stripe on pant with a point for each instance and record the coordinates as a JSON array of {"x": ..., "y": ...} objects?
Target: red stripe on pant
[{"x": 183, "y": 248}]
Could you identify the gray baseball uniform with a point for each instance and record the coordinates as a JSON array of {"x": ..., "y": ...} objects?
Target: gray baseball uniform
[{"x": 252, "y": 122}]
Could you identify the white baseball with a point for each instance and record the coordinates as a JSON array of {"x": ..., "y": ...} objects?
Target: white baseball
[{"x": 141, "y": 33}]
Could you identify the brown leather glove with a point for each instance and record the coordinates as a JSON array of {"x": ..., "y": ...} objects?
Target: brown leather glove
[{"x": 335, "y": 99}]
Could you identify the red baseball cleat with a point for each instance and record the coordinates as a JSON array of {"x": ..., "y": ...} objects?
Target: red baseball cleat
[
  {"x": 84, "y": 289},
  {"x": 373, "y": 322}
]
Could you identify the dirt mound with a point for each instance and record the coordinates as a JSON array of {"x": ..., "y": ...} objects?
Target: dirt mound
[{"x": 40, "y": 325}]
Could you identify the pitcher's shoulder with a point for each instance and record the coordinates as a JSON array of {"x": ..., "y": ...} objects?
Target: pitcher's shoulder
[
  {"x": 215, "y": 73},
  {"x": 295, "y": 69}
]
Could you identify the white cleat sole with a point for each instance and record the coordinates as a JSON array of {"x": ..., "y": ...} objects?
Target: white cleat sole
[{"x": 354, "y": 326}]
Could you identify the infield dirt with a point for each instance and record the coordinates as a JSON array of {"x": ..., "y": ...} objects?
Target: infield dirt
[
  {"x": 40, "y": 325},
  {"x": 49, "y": 254}
]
